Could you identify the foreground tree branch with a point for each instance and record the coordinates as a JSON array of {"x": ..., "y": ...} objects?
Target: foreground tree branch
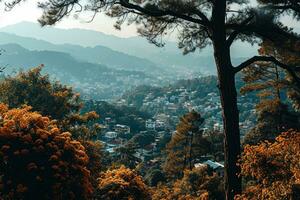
[
  {"x": 265, "y": 59},
  {"x": 162, "y": 13},
  {"x": 290, "y": 69}
]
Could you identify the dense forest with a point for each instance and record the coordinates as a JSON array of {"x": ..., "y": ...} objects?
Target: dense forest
[{"x": 124, "y": 121}]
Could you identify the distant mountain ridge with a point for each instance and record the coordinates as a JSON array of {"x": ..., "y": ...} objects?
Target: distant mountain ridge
[{"x": 97, "y": 54}]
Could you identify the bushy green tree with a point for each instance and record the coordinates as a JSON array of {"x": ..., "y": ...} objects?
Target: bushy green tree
[
  {"x": 51, "y": 99},
  {"x": 32, "y": 88}
]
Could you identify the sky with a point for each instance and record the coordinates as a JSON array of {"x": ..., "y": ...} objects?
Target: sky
[{"x": 28, "y": 11}]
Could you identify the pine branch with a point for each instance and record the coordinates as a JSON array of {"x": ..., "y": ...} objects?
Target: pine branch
[
  {"x": 161, "y": 13},
  {"x": 236, "y": 32}
]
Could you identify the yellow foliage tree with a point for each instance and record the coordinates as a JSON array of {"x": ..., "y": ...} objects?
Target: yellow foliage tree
[
  {"x": 38, "y": 160},
  {"x": 122, "y": 183},
  {"x": 196, "y": 184},
  {"x": 95, "y": 152},
  {"x": 273, "y": 167}
]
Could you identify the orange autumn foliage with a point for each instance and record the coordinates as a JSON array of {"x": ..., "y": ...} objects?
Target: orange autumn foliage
[
  {"x": 196, "y": 184},
  {"x": 95, "y": 152},
  {"x": 38, "y": 161},
  {"x": 274, "y": 167},
  {"x": 122, "y": 183}
]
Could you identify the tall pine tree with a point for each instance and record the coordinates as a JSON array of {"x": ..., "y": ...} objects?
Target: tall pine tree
[
  {"x": 273, "y": 113},
  {"x": 186, "y": 145}
]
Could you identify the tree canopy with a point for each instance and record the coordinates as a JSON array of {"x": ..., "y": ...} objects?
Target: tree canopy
[
  {"x": 273, "y": 167},
  {"x": 122, "y": 183},
  {"x": 32, "y": 88},
  {"x": 274, "y": 115},
  {"x": 51, "y": 99},
  {"x": 38, "y": 160}
]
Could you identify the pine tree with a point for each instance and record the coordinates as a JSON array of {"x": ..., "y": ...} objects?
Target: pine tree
[
  {"x": 270, "y": 83},
  {"x": 186, "y": 145}
]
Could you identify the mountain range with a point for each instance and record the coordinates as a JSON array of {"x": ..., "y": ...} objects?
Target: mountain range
[
  {"x": 97, "y": 54},
  {"x": 169, "y": 57}
]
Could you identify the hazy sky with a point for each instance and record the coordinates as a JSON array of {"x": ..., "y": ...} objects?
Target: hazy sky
[{"x": 28, "y": 11}]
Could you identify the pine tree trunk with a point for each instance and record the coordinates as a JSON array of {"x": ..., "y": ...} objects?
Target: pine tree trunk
[
  {"x": 230, "y": 114},
  {"x": 228, "y": 95},
  {"x": 185, "y": 154},
  {"x": 191, "y": 151}
]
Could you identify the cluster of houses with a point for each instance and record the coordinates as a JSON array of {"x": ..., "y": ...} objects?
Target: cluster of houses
[
  {"x": 115, "y": 136},
  {"x": 176, "y": 103},
  {"x": 166, "y": 111},
  {"x": 112, "y": 134}
]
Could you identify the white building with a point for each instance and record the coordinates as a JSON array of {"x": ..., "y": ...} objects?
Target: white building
[
  {"x": 216, "y": 167},
  {"x": 123, "y": 129},
  {"x": 111, "y": 135},
  {"x": 150, "y": 124}
]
